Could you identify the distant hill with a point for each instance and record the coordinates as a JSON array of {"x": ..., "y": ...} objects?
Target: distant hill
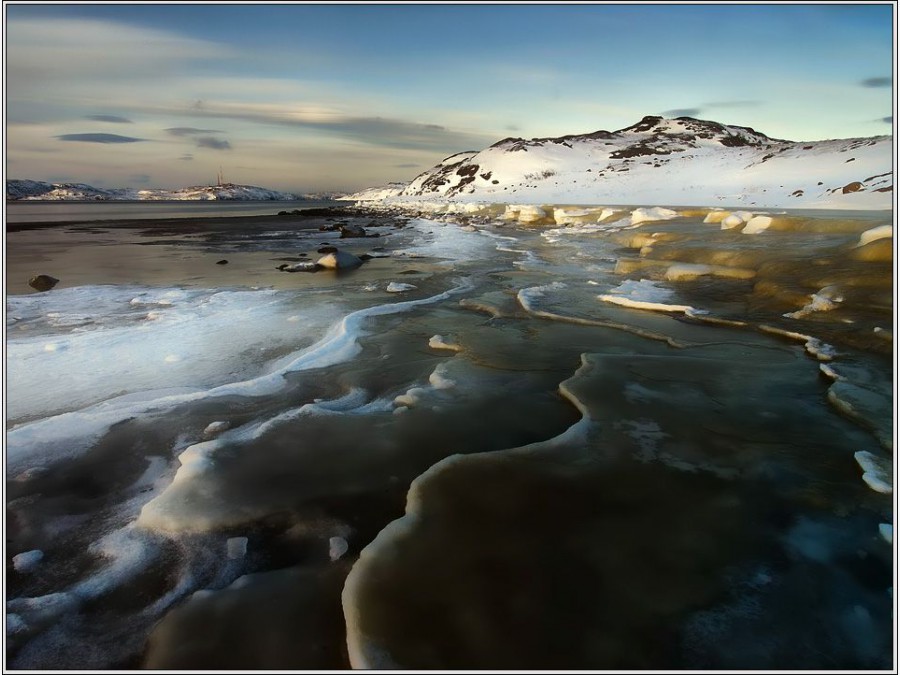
[
  {"x": 678, "y": 162},
  {"x": 32, "y": 190}
]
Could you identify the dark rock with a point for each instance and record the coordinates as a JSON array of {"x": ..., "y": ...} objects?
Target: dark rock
[
  {"x": 339, "y": 260},
  {"x": 734, "y": 141},
  {"x": 352, "y": 231},
  {"x": 328, "y": 249},
  {"x": 324, "y": 212},
  {"x": 42, "y": 282},
  {"x": 301, "y": 267},
  {"x": 221, "y": 262}
]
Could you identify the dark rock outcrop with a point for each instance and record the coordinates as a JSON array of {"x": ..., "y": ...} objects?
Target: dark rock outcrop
[{"x": 42, "y": 282}]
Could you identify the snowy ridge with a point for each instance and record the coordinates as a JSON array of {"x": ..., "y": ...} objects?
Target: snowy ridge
[
  {"x": 676, "y": 162},
  {"x": 32, "y": 190},
  {"x": 373, "y": 194}
]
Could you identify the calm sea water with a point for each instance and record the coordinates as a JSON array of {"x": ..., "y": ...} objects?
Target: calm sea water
[
  {"x": 590, "y": 445},
  {"x": 65, "y": 211}
]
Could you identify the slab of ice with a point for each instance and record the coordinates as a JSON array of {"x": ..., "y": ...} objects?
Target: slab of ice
[
  {"x": 213, "y": 429},
  {"x": 731, "y": 222},
  {"x": 716, "y": 216},
  {"x": 337, "y": 547},
  {"x": 876, "y": 233},
  {"x": 825, "y": 300},
  {"x": 757, "y": 224},
  {"x": 439, "y": 240},
  {"x": 687, "y": 271},
  {"x": 876, "y": 471},
  {"x": 66, "y": 435},
  {"x": 27, "y": 561},
  {"x": 398, "y": 287},
  {"x": 442, "y": 342},
  {"x": 524, "y": 213},
  {"x": 122, "y": 352},
  {"x": 643, "y": 294},
  {"x": 236, "y": 548},
  {"x": 438, "y": 378},
  {"x": 643, "y": 215},
  {"x": 15, "y": 624},
  {"x": 569, "y": 216}
]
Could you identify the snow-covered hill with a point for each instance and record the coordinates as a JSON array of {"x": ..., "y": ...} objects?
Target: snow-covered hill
[
  {"x": 673, "y": 162},
  {"x": 374, "y": 194},
  {"x": 36, "y": 190}
]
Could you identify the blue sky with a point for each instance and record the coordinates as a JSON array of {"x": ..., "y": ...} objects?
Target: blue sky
[{"x": 314, "y": 97}]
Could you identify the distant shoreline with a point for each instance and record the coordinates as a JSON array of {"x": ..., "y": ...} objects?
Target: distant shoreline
[{"x": 194, "y": 222}]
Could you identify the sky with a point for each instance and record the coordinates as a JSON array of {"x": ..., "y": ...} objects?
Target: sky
[{"x": 304, "y": 97}]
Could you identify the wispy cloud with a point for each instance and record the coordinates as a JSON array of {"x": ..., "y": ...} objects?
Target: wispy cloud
[
  {"x": 187, "y": 157},
  {"x": 681, "y": 112},
  {"x": 99, "y": 138},
  {"x": 889, "y": 119},
  {"x": 114, "y": 119},
  {"x": 407, "y": 166},
  {"x": 190, "y": 131},
  {"x": 63, "y": 49},
  {"x": 698, "y": 110},
  {"x": 213, "y": 143},
  {"x": 382, "y": 131},
  {"x": 877, "y": 82}
]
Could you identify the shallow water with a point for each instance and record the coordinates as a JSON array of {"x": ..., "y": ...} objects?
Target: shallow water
[
  {"x": 630, "y": 447},
  {"x": 67, "y": 211}
]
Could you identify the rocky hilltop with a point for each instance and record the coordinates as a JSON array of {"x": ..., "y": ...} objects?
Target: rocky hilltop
[{"x": 677, "y": 162}]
